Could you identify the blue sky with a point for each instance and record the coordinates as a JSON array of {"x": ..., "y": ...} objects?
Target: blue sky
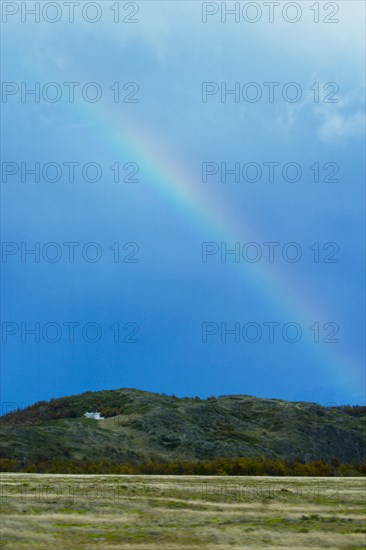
[{"x": 169, "y": 294}]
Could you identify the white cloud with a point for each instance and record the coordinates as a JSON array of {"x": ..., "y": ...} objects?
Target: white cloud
[
  {"x": 337, "y": 126},
  {"x": 343, "y": 120}
]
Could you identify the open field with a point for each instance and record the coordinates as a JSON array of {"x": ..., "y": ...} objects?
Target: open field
[{"x": 181, "y": 512}]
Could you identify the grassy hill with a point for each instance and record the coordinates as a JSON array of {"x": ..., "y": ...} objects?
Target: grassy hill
[{"x": 142, "y": 426}]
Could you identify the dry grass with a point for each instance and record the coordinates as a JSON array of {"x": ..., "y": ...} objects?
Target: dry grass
[{"x": 181, "y": 512}]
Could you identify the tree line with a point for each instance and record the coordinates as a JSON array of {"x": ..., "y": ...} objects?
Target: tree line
[{"x": 220, "y": 466}]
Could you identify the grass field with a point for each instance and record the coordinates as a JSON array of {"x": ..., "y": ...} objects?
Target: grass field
[{"x": 181, "y": 512}]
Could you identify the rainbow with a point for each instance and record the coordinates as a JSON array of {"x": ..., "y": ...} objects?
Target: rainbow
[{"x": 174, "y": 181}]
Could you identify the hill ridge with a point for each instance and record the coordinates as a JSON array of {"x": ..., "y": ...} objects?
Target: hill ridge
[{"x": 141, "y": 425}]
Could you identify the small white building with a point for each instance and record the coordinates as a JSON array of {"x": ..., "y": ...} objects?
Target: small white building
[{"x": 94, "y": 415}]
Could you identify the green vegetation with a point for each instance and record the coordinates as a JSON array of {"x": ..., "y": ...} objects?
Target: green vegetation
[{"x": 144, "y": 428}]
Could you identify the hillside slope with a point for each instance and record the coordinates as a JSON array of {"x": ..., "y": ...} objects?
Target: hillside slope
[{"x": 143, "y": 426}]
